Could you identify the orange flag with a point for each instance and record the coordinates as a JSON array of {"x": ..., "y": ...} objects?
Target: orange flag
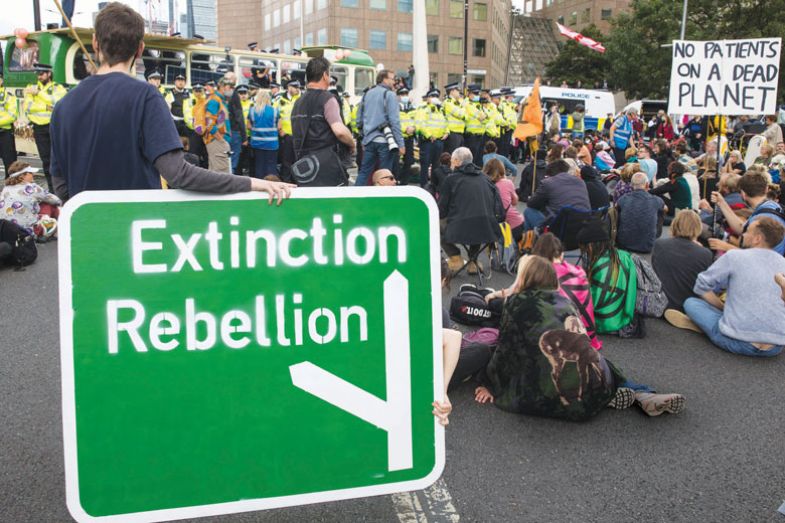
[{"x": 530, "y": 120}]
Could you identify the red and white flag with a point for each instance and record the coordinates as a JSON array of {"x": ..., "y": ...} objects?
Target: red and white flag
[{"x": 583, "y": 40}]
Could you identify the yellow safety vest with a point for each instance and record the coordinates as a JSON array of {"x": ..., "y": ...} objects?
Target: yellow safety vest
[
  {"x": 407, "y": 119},
  {"x": 285, "y": 106},
  {"x": 456, "y": 115},
  {"x": 494, "y": 121},
  {"x": 246, "y": 104},
  {"x": 430, "y": 122},
  {"x": 9, "y": 110},
  {"x": 510, "y": 115},
  {"x": 473, "y": 123},
  {"x": 346, "y": 109},
  {"x": 38, "y": 108},
  {"x": 353, "y": 120}
]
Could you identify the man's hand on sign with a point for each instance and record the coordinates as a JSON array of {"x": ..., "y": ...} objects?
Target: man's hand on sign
[
  {"x": 274, "y": 190},
  {"x": 442, "y": 410}
]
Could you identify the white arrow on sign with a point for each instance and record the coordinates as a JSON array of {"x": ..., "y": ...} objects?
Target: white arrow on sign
[{"x": 394, "y": 416}]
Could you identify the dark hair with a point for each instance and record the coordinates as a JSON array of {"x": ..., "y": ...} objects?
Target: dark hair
[
  {"x": 548, "y": 246},
  {"x": 754, "y": 185},
  {"x": 682, "y": 148},
  {"x": 494, "y": 169},
  {"x": 772, "y": 231},
  {"x": 447, "y": 274},
  {"x": 595, "y": 250},
  {"x": 490, "y": 147},
  {"x": 316, "y": 68},
  {"x": 662, "y": 145},
  {"x": 555, "y": 152},
  {"x": 557, "y": 167},
  {"x": 382, "y": 75},
  {"x": 676, "y": 169},
  {"x": 445, "y": 159},
  {"x": 119, "y": 30},
  {"x": 577, "y": 143}
]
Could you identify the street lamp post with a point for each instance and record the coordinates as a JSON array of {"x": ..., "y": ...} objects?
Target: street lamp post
[
  {"x": 465, "y": 44},
  {"x": 684, "y": 19},
  {"x": 36, "y": 15}
]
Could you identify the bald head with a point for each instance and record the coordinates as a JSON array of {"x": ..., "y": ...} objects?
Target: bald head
[{"x": 383, "y": 178}]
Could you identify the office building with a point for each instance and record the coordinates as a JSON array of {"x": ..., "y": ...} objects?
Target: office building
[
  {"x": 577, "y": 14},
  {"x": 204, "y": 18},
  {"x": 383, "y": 27}
]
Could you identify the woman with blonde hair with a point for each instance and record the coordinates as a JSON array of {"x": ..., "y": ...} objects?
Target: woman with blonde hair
[
  {"x": 678, "y": 260},
  {"x": 263, "y": 120}
]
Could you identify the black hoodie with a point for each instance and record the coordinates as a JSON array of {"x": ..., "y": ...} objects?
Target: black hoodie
[{"x": 598, "y": 192}]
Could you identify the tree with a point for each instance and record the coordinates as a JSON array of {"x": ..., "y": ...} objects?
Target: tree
[
  {"x": 641, "y": 67},
  {"x": 577, "y": 62}
]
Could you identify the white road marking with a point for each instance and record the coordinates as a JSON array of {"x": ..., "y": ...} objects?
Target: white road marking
[{"x": 432, "y": 505}]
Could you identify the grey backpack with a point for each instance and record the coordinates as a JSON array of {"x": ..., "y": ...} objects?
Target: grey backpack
[{"x": 651, "y": 300}]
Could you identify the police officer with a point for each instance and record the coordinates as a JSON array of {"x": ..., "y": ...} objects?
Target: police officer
[
  {"x": 245, "y": 164},
  {"x": 275, "y": 92},
  {"x": 9, "y": 112},
  {"x": 40, "y": 100},
  {"x": 495, "y": 124},
  {"x": 285, "y": 105},
  {"x": 407, "y": 116},
  {"x": 432, "y": 130},
  {"x": 175, "y": 99},
  {"x": 154, "y": 79},
  {"x": 455, "y": 111},
  {"x": 510, "y": 117},
  {"x": 475, "y": 125}
]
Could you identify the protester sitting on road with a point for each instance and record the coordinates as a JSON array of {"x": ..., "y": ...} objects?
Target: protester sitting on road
[
  {"x": 491, "y": 154},
  {"x": 112, "y": 132},
  {"x": 556, "y": 152},
  {"x": 612, "y": 276},
  {"x": 384, "y": 178},
  {"x": 640, "y": 217},
  {"x": 584, "y": 155},
  {"x": 624, "y": 185},
  {"x": 764, "y": 158},
  {"x": 751, "y": 320},
  {"x": 27, "y": 204},
  {"x": 440, "y": 173},
  {"x": 603, "y": 160},
  {"x": 631, "y": 155},
  {"x": 735, "y": 163},
  {"x": 494, "y": 169},
  {"x": 558, "y": 189},
  {"x": 534, "y": 168},
  {"x": 677, "y": 188},
  {"x": 540, "y": 333},
  {"x": 664, "y": 157},
  {"x": 573, "y": 283},
  {"x": 471, "y": 207},
  {"x": 648, "y": 165},
  {"x": 753, "y": 187},
  {"x": 679, "y": 259},
  {"x": 598, "y": 193}
]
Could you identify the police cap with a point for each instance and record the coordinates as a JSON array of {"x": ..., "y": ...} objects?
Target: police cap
[
  {"x": 275, "y": 84},
  {"x": 180, "y": 77},
  {"x": 448, "y": 88},
  {"x": 474, "y": 88},
  {"x": 402, "y": 90},
  {"x": 198, "y": 87},
  {"x": 154, "y": 74},
  {"x": 242, "y": 89},
  {"x": 252, "y": 45},
  {"x": 293, "y": 83},
  {"x": 433, "y": 92},
  {"x": 496, "y": 93},
  {"x": 38, "y": 67}
]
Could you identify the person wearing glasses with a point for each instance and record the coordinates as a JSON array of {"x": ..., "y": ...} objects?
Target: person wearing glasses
[{"x": 383, "y": 178}]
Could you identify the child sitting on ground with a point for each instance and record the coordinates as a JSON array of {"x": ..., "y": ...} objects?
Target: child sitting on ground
[{"x": 27, "y": 204}]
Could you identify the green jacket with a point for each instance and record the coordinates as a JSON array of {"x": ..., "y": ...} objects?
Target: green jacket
[{"x": 613, "y": 295}]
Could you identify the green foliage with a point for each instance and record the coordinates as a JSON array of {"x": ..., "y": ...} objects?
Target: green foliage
[
  {"x": 641, "y": 67},
  {"x": 577, "y": 62}
]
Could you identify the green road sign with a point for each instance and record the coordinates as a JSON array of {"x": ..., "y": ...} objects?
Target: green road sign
[{"x": 221, "y": 355}]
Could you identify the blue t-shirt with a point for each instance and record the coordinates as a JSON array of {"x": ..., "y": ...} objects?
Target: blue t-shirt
[{"x": 107, "y": 132}]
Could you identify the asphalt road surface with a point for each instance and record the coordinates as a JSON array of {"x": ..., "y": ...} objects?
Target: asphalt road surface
[{"x": 723, "y": 459}]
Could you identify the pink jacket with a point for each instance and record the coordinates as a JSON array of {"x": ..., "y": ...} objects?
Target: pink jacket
[{"x": 574, "y": 285}]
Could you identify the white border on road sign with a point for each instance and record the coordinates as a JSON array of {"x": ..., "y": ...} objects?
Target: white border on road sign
[{"x": 67, "y": 362}]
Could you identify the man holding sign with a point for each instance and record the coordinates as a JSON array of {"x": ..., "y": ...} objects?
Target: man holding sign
[{"x": 113, "y": 132}]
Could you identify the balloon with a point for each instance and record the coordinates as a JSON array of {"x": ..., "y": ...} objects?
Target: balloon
[
  {"x": 17, "y": 31},
  {"x": 23, "y": 33},
  {"x": 20, "y": 43},
  {"x": 339, "y": 54}
]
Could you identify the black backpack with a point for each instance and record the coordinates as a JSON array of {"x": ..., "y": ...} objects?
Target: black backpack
[{"x": 23, "y": 248}]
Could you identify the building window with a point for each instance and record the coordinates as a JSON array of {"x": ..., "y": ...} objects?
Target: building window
[
  {"x": 478, "y": 47},
  {"x": 573, "y": 18},
  {"x": 586, "y": 15},
  {"x": 297, "y": 43},
  {"x": 456, "y": 9},
  {"x": 404, "y": 6},
  {"x": 296, "y": 10},
  {"x": 276, "y": 18},
  {"x": 321, "y": 37},
  {"x": 404, "y": 42},
  {"x": 321, "y": 4},
  {"x": 454, "y": 78},
  {"x": 267, "y": 22},
  {"x": 480, "y": 11},
  {"x": 432, "y": 7},
  {"x": 287, "y": 47},
  {"x": 286, "y": 14},
  {"x": 434, "y": 78},
  {"x": 308, "y": 7},
  {"x": 350, "y": 3},
  {"x": 308, "y": 39},
  {"x": 349, "y": 37},
  {"x": 378, "y": 4},
  {"x": 377, "y": 40},
  {"x": 455, "y": 45},
  {"x": 433, "y": 43},
  {"x": 479, "y": 80},
  {"x": 606, "y": 14},
  {"x": 560, "y": 20}
]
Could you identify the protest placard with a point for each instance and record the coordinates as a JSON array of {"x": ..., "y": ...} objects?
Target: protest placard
[{"x": 729, "y": 77}]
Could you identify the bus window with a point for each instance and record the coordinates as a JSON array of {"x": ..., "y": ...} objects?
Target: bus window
[
  {"x": 23, "y": 59},
  {"x": 82, "y": 68},
  {"x": 292, "y": 71},
  {"x": 168, "y": 63},
  {"x": 206, "y": 67},
  {"x": 248, "y": 64},
  {"x": 340, "y": 73},
  {"x": 362, "y": 78}
]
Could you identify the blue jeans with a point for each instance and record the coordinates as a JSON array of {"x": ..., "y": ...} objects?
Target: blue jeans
[
  {"x": 236, "y": 144},
  {"x": 371, "y": 152},
  {"x": 707, "y": 317},
  {"x": 532, "y": 218}
]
